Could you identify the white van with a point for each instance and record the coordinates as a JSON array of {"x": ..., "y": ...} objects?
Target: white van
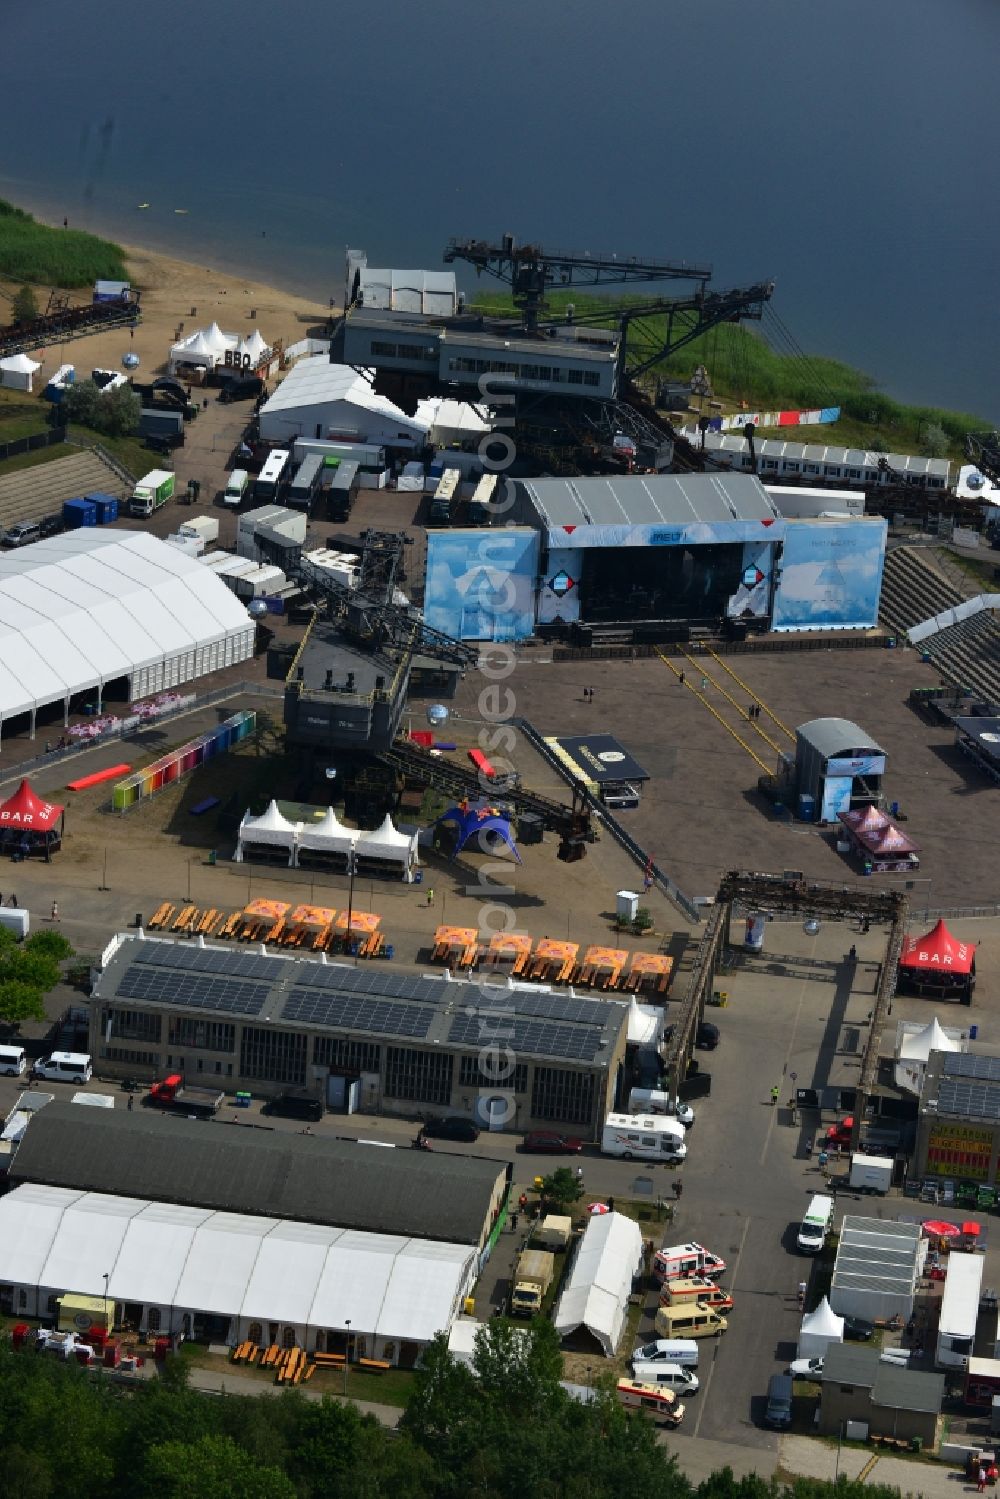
[
  {"x": 815, "y": 1225},
  {"x": 652, "y": 1400},
  {"x": 65, "y": 1067},
  {"x": 236, "y": 487},
  {"x": 672, "y": 1376},
  {"x": 635, "y": 1137},
  {"x": 12, "y": 1061},
  {"x": 667, "y": 1351},
  {"x": 686, "y": 1321}
]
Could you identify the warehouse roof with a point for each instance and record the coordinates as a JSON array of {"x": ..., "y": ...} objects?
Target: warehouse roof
[
  {"x": 422, "y": 292},
  {"x": 264, "y": 1268},
  {"x": 83, "y": 608},
  {"x": 877, "y": 1254},
  {"x": 243, "y": 1170},
  {"x": 315, "y": 382},
  {"x": 651, "y": 499},
  {"x": 308, "y": 994}
]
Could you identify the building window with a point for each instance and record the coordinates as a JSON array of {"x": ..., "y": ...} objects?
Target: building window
[
  {"x": 124, "y": 1054},
  {"x": 255, "y": 1333},
  {"x": 471, "y": 1075},
  {"x": 574, "y": 377},
  {"x": 133, "y": 1025},
  {"x": 589, "y": 378},
  {"x": 153, "y": 1319},
  {"x": 288, "y": 1337},
  {"x": 201, "y": 1035},
  {"x": 558, "y": 1094},
  {"x": 22, "y": 1298},
  {"x": 52, "y": 1305},
  {"x": 388, "y": 351},
  {"x": 273, "y": 1056},
  {"x": 352, "y": 1056},
  {"x": 419, "y": 1076}
]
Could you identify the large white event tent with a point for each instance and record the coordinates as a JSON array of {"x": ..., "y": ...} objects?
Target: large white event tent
[
  {"x": 271, "y": 829},
  {"x": 232, "y": 1277},
  {"x": 600, "y": 1282},
  {"x": 385, "y": 847},
  {"x": 91, "y": 607},
  {"x": 317, "y": 398},
  {"x": 207, "y": 348}
]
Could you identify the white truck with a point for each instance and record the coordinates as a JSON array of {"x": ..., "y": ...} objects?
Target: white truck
[
  {"x": 637, "y": 1137},
  {"x": 532, "y": 1277},
  {"x": 871, "y": 1173},
  {"x": 152, "y": 491},
  {"x": 203, "y": 528}
]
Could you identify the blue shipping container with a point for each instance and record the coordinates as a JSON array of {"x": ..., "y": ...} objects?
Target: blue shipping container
[
  {"x": 107, "y": 507},
  {"x": 79, "y": 512}
]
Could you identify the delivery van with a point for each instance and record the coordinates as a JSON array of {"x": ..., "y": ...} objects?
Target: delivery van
[
  {"x": 671, "y": 1376},
  {"x": 64, "y": 1067},
  {"x": 688, "y": 1322},
  {"x": 696, "y": 1289},
  {"x": 667, "y": 1351},
  {"x": 12, "y": 1061},
  {"x": 651, "y": 1400},
  {"x": 236, "y": 487},
  {"x": 815, "y": 1225}
]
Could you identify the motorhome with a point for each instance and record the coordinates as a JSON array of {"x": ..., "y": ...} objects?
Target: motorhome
[{"x": 637, "y": 1137}]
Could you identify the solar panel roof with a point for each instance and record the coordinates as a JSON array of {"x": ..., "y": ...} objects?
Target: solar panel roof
[
  {"x": 968, "y": 1100},
  {"x": 358, "y": 1012},
  {"x": 963, "y": 1064}
]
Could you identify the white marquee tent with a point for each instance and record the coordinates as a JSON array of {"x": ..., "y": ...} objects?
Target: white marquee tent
[
  {"x": 318, "y": 399},
  {"x": 271, "y": 828},
  {"x": 451, "y": 421},
  {"x": 207, "y": 348},
  {"x": 328, "y": 836},
  {"x": 184, "y": 1264},
  {"x": 86, "y": 608},
  {"x": 914, "y": 1046},
  {"x": 600, "y": 1282},
  {"x": 17, "y": 372},
  {"x": 819, "y": 1329},
  {"x": 387, "y": 845}
]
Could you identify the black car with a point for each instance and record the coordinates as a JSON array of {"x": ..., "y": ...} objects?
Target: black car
[
  {"x": 294, "y": 1106},
  {"x": 858, "y": 1329},
  {"x": 452, "y": 1128},
  {"x": 241, "y": 388},
  {"x": 707, "y": 1038}
]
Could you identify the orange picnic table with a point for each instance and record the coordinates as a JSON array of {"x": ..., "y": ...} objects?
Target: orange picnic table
[
  {"x": 509, "y": 945},
  {"x": 455, "y": 936},
  {"x": 314, "y": 916},
  {"x": 265, "y": 910},
  {"x": 361, "y": 921},
  {"x": 649, "y": 965},
  {"x": 550, "y": 954}
]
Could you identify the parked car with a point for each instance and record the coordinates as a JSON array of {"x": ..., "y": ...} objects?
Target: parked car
[
  {"x": 778, "y": 1414},
  {"x": 840, "y": 1133},
  {"x": 546, "y": 1142},
  {"x": 294, "y": 1106},
  {"x": 858, "y": 1329},
  {"x": 454, "y": 1127},
  {"x": 806, "y": 1368},
  {"x": 22, "y": 534},
  {"x": 707, "y": 1037}
]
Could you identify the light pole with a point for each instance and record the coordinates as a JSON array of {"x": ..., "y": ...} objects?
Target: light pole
[
  {"x": 347, "y": 1351},
  {"x": 352, "y": 865},
  {"x": 107, "y": 1277}
]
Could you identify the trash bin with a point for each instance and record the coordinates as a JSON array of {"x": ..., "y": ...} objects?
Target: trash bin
[
  {"x": 138, "y": 919},
  {"x": 212, "y": 855}
]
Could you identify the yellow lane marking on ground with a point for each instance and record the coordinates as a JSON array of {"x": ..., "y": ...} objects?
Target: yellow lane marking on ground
[
  {"x": 699, "y": 666},
  {"x": 704, "y": 700},
  {"x": 740, "y": 682}
]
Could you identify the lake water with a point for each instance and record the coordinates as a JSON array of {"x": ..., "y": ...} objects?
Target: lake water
[{"x": 846, "y": 150}]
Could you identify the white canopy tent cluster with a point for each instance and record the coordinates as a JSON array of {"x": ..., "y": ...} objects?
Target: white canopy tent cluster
[{"x": 386, "y": 845}]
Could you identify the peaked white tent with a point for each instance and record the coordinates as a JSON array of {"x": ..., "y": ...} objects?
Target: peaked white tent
[
  {"x": 389, "y": 846},
  {"x": 255, "y": 345},
  {"x": 271, "y": 828},
  {"x": 914, "y": 1048},
  {"x": 645, "y": 1023},
  {"x": 600, "y": 1283},
  {"x": 328, "y": 836},
  {"x": 819, "y": 1329},
  {"x": 16, "y": 372}
]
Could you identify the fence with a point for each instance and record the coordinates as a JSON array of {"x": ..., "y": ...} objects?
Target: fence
[
  {"x": 19, "y": 445},
  {"x": 180, "y": 762},
  {"x": 756, "y": 645}
]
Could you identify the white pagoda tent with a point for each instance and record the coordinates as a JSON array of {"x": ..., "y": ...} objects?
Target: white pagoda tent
[
  {"x": 914, "y": 1049},
  {"x": 271, "y": 829},
  {"x": 819, "y": 1329},
  {"x": 387, "y": 845},
  {"x": 328, "y": 836}
]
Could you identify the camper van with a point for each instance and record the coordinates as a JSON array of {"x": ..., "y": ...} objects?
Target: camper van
[
  {"x": 671, "y": 1376},
  {"x": 697, "y": 1290},
  {"x": 687, "y": 1321},
  {"x": 637, "y": 1137},
  {"x": 655, "y": 1101},
  {"x": 815, "y": 1225}
]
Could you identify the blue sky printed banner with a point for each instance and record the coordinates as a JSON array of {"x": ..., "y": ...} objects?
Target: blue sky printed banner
[
  {"x": 830, "y": 575},
  {"x": 481, "y": 583}
]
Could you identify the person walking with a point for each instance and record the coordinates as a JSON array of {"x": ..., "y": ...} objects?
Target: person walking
[
  {"x": 430, "y": 897},
  {"x": 591, "y": 694},
  {"x": 681, "y": 679},
  {"x": 774, "y": 1095},
  {"x": 853, "y": 954},
  {"x": 579, "y": 1176},
  {"x": 55, "y": 910},
  {"x": 802, "y": 1294},
  {"x": 13, "y": 901},
  {"x": 130, "y": 1102},
  {"x": 678, "y": 1189}
]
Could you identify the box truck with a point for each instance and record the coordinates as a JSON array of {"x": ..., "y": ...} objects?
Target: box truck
[
  {"x": 871, "y": 1173},
  {"x": 532, "y": 1277},
  {"x": 554, "y": 1232},
  {"x": 172, "y": 1093},
  {"x": 151, "y": 492},
  {"x": 201, "y": 528}
]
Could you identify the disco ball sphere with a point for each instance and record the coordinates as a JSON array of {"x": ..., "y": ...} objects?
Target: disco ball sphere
[
  {"x": 130, "y": 361},
  {"x": 437, "y": 714},
  {"x": 811, "y": 927},
  {"x": 256, "y": 608}
]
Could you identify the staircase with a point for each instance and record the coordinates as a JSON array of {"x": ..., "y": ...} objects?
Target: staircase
[
  {"x": 914, "y": 589},
  {"x": 30, "y": 493}
]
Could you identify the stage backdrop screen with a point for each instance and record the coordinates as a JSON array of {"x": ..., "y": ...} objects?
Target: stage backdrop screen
[
  {"x": 481, "y": 583},
  {"x": 831, "y": 575}
]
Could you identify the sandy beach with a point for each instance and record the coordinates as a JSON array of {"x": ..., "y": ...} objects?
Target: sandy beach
[{"x": 179, "y": 296}]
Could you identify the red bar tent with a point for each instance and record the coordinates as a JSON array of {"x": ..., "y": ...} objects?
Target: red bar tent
[
  {"x": 29, "y": 824},
  {"x": 939, "y": 963}
]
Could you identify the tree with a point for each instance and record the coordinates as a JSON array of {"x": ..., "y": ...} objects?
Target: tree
[
  {"x": 444, "y": 1396},
  {"x": 19, "y": 1002},
  {"x": 81, "y": 403},
  {"x": 876, "y": 445},
  {"x": 25, "y": 307},
  {"x": 521, "y": 1367},
  {"x": 53, "y": 944},
  {"x": 26, "y": 1475},
  {"x": 120, "y": 411},
  {"x": 562, "y": 1188},
  {"x": 211, "y": 1468},
  {"x": 935, "y": 440}
]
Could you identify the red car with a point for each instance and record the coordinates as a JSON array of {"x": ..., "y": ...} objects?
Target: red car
[
  {"x": 840, "y": 1133},
  {"x": 544, "y": 1142}
]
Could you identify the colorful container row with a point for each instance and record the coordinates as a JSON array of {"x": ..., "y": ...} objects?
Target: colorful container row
[{"x": 180, "y": 762}]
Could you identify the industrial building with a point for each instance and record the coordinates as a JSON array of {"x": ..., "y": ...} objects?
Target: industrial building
[
  {"x": 813, "y": 463},
  {"x": 359, "y": 1039},
  {"x": 958, "y": 1126},
  {"x": 203, "y": 1231},
  {"x": 333, "y": 402},
  {"x": 111, "y": 614},
  {"x": 878, "y": 1264}
]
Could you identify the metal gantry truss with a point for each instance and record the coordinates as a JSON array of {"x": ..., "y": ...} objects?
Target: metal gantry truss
[
  {"x": 983, "y": 448},
  {"x": 61, "y": 323}
]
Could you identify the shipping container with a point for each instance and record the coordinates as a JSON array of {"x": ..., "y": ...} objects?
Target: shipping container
[
  {"x": 79, "y": 512},
  {"x": 107, "y": 507}
]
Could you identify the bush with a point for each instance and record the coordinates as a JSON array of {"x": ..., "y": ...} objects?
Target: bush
[
  {"x": 115, "y": 412},
  {"x": 24, "y": 306},
  {"x": 30, "y": 251}
]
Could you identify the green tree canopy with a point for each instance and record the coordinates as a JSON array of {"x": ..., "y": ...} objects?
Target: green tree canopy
[
  {"x": 211, "y": 1467},
  {"x": 24, "y": 308},
  {"x": 562, "y": 1188}
]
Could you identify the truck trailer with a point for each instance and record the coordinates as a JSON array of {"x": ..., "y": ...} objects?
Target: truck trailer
[{"x": 151, "y": 492}]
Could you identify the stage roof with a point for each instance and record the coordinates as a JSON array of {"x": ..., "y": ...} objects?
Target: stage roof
[
  {"x": 985, "y": 732},
  {"x": 651, "y": 499},
  {"x": 597, "y": 758}
]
